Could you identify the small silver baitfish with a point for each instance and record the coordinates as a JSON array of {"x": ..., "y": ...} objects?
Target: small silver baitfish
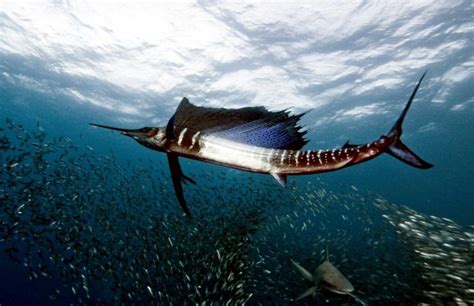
[{"x": 257, "y": 140}]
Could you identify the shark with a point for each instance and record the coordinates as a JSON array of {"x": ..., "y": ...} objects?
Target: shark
[
  {"x": 327, "y": 277},
  {"x": 257, "y": 140}
]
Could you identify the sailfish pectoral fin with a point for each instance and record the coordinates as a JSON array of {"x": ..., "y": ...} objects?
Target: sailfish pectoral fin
[{"x": 177, "y": 176}]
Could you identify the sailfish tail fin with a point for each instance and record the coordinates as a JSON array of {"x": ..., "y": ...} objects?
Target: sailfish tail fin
[{"x": 399, "y": 150}]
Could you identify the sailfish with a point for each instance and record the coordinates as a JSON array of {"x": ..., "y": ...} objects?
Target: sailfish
[{"x": 257, "y": 140}]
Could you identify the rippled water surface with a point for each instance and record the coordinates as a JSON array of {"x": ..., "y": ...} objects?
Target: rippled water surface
[{"x": 88, "y": 216}]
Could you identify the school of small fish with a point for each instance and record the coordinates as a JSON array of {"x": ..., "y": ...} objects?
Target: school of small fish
[
  {"x": 107, "y": 231},
  {"x": 442, "y": 251}
]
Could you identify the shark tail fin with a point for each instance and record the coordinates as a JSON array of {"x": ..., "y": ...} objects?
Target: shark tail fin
[{"x": 399, "y": 150}]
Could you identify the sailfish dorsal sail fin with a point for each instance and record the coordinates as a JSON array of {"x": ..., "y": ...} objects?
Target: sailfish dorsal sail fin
[{"x": 250, "y": 125}]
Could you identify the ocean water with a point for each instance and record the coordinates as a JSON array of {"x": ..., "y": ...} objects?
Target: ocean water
[{"x": 88, "y": 216}]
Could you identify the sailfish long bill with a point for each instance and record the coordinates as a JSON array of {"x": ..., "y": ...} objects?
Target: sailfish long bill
[{"x": 257, "y": 140}]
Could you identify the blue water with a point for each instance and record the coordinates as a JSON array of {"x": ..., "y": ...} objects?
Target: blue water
[{"x": 352, "y": 66}]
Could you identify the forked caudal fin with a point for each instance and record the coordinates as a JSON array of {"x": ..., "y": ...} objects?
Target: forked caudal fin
[{"x": 397, "y": 149}]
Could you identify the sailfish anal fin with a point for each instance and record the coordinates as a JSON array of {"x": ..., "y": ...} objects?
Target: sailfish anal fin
[
  {"x": 178, "y": 176},
  {"x": 280, "y": 178}
]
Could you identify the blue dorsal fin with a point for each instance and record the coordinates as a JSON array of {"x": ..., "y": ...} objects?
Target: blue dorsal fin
[
  {"x": 262, "y": 134},
  {"x": 250, "y": 125}
]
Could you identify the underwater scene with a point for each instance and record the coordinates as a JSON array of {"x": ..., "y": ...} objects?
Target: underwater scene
[{"x": 220, "y": 153}]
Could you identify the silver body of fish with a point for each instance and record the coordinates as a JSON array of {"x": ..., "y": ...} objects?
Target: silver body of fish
[{"x": 257, "y": 140}]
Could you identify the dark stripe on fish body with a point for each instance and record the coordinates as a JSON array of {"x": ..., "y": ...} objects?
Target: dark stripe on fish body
[{"x": 187, "y": 139}]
